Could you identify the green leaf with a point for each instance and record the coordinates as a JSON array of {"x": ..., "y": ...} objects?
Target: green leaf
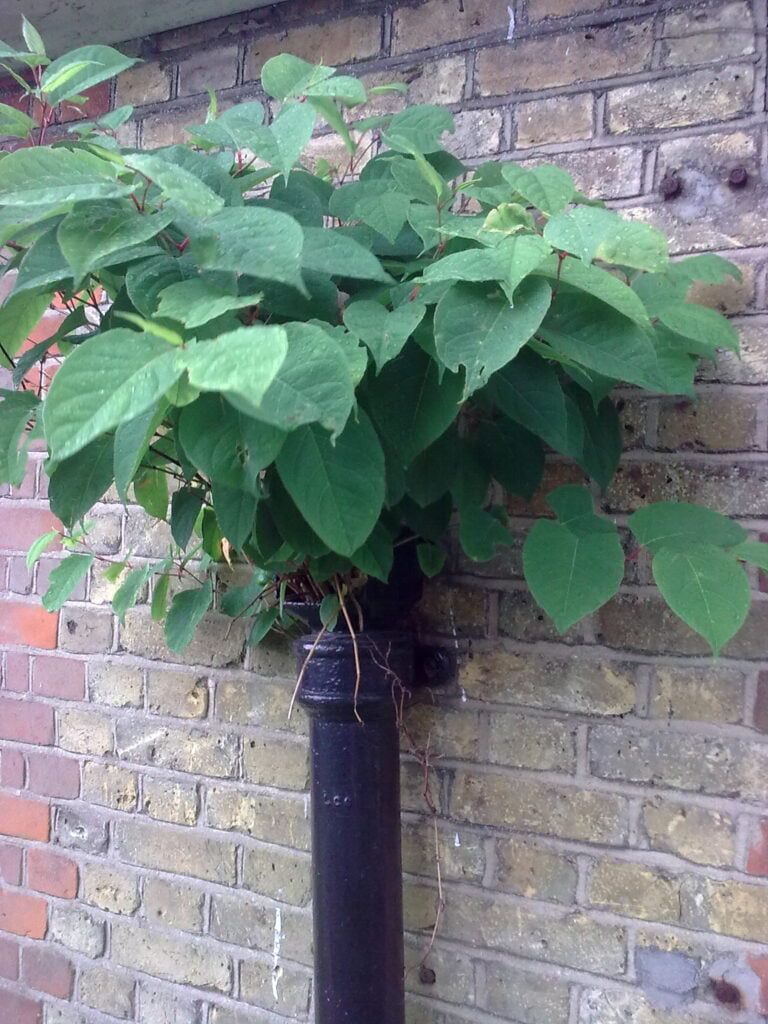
[
  {"x": 375, "y": 557},
  {"x": 109, "y": 379},
  {"x": 678, "y": 525},
  {"x": 32, "y": 37},
  {"x": 433, "y": 471},
  {"x": 160, "y": 597},
  {"x": 512, "y": 455},
  {"x": 431, "y": 558},
  {"x": 16, "y": 409},
  {"x": 132, "y": 439},
  {"x": 590, "y": 232},
  {"x": 81, "y": 480},
  {"x": 114, "y": 572},
  {"x": 572, "y": 572},
  {"x": 409, "y": 403},
  {"x": 384, "y": 332},
  {"x": 236, "y": 513},
  {"x": 328, "y": 251},
  {"x": 94, "y": 231},
  {"x": 481, "y": 533},
  {"x": 546, "y": 187},
  {"x": 185, "y": 508},
  {"x": 281, "y": 143},
  {"x": 329, "y": 611},
  {"x": 39, "y": 545},
  {"x": 752, "y": 551},
  {"x": 286, "y": 75},
  {"x": 233, "y": 128},
  {"x": 40, "y": 176},
  {"x": 603, "y": 441},
  {"x": 385, "y": 213},
  {"x": 15, "y": 122},
  {"x": 235, "y": 601},
  {"x": 177, "y": 183},
  {"x": 263, "y": 622},
  {"x": 599, "y": 283},
  {"x": 43, "y": 267},
  {"x": 127, "y": 594},
  {"x": 241, "y": 363},
  {"x": 706, "y": 588},
  {"x": 145, "y": 281},
  {"x": 706, "y": 266},
  {"x": 200, "y": 299},
  {"x": 63, "y": 580},
  {"x": 338, "y": 488},
  {"x": 418, "y": 129},
  {"x": 187, "y": 609},
  {"x": 705, "y": 327},
  {"x": 482, "y": 331},
  {"x": 151, "y": 490},
  {"x": 79, "y": 69},
  {"x": 509, "y": 262},
  {"x": 266, "y": 242}
]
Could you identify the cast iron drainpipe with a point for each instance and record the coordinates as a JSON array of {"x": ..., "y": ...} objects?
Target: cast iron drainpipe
[{"x": 355, "y": 792}]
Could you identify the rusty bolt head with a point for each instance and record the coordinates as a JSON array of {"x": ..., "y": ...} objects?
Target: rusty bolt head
[
  {"x": 738, "y": 177},
  {"x": 671, "y": 185},
  {"x": 426, "y": 975}
]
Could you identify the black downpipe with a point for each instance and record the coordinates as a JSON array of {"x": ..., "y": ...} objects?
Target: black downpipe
[{"x": 355, "y": 789}]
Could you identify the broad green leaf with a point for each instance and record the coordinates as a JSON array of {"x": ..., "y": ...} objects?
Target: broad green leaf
[
  {"x": 127, "y": 594},
  {"x": 385, "y": 213},
  {"x": 574, "y": 507},
  {"x": 242, "y": 363},
  {"x": 546, "y": 187},
  {"x": 384, "y": 332},
  {"x": 232, "y": 128},
  {"x": 113, "y": 573},
  {"x": 752, "y": 551},
  {"x": 15, "y": 122},
  {"x": 418, "y": 129},
  {"x": 512, "y": 455},
  {"x": 281, "y": 143},
  {"x": 706, "y": 266},
  {"x": 263, "y": 622},
  {"x": 706, "y": 588},
  {"x": 286, "y": 75},
  {"x": 187, "y": 609},
  {"x": 509, "y": 219},
  {"x": 409, "y": 403},
  {"x": 16, "y": 409},
  {"x": 32, "y": 37},
  {"x": 94, "y": 231},
  {"x": 145, "y": 281},
  {"x": 177, "y": 183},
  {"x": 433, "y": 471},
  {"x": 109, "y": 379},
  {"x": 348, "y": 90},
  {"x": 572, "y": 573},
  {"x": 19, "y": 314},
  {"x": 236, "y": 513},
  {"x": 150, "y": 487},
  {"x": 132, "y": 439},
  {"x": 328, "y": 251},
  {"x": 603, "y": 441},
  {"x": 597, "y": 282},
  {"x": 431, "y": 558},
  {"x": 185, "y": 508},
  {"x": 265, "y": 243},
  {"x": 43, "y": 267},
  {"x": 483, "y": 332},
  {"x": 39, "y": 545},
  {"x": 678, "y": 525},
  {"x": 200, "y": 299},
  {"x": 236, "y": 601},
  {"x": 590, "y": 232},
  {"x": 81, "y": 480},
  {"x": 289, "y": 521},
  {"x": 64, "y": 579},
  {"x": 705, "y": 327},
  {"x": 39, "y": 176},
  {"x": 227, "y": 445},
  {"x": 338, "y": 487},
  {"x": 509, "y": 262},
  {"x": 481, "y": 534},
  {"x": 375, "y": 557},
  {"x": 159, "y": 602},
  {"x": 91, "y": 64},
  {"x": 330, "y": 607}
]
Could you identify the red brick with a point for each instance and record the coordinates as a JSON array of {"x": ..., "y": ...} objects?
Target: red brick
[
  {"x": 19, "y": 576},
  {"x": 759, "y": 965},
  {"x": 52, "y": 874},
  {"x": 28, "y": 624},
  {"x": 757, "y": 857},
  {"x": 26, "y": 721},
  {"x": 12, "y": 769},
  {"x": 10, "y": 863},
  {"x": 51, "y": 775},
  {"x": 761, "y": 703},
  {"x": 9, "y": 960},
  {"x": 59, "y": 677},
  {"x": 16, "y": 676},
  {"x": 23, "y": 915},
  {"x": 20, "y": 1010},
  {"x": 20, "y": 526},
  {"x": 46, "y": 970},
  {"x": 44, "y": 569},
  {"x": 25, "y": 819}
]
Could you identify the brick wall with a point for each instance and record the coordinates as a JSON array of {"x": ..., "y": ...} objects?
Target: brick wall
[{"x": 602, "y": 796}]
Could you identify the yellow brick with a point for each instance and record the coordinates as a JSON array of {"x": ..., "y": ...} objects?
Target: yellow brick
[
  {"x": 728, "y": 908},
  {"x": 521, "y": 741},
  {"x": 202, "y": 965},
  {"x": 276, "y": 819},
  {"x": 170, "y": 801},
  {"x": 85, "y": 732},
  {"x": 444, "y": 21},
  {"x": 144, "y": 83},
  {"x": 280, "y": 761},
  {"x": 110, "y": 888},
  {"x": 529, "y": 869},
  {"x": 635, "y": 891},
  {"x": 700, "y": 694},
  {"x": 695, "y": 833},
  {"x": 178, "y": 694},
  {"x": 110, "y": 786},
  {"x": 560, "y": 119},
  {"x": 334, "y": 42}
]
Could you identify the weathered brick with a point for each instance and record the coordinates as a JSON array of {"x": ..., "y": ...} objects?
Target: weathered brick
[
  {"x": 565, "y": 59},
  {"x": 530, "y": 869},
  {"x": 716, "y": 423},
  {"x": 635, "y": 891},
  {"x": 751, "y": 365},
  {"x": 85, "y": 732},
  {"x": 726, "y": 908},
  {"x": 539, "y": 9},
  {"x": 182, "y": 852},
  {"x": 440, "y": 81},
  {"x": 144, "y": 83},
  {"x": 110, "y": 888},
  {"x": 571, "y": 684},
  {"x": 252, "y": 924},
  {"x": 453, "y": 732},
  {"x": 452, "y": 979},
  {"x": 208, "y": 69},
  {"x": 276, "y": 819},
  {"x": 521, "y": 741},
  {"x": 559, "y": 119},
  {"x": 11, "y": 864},
  {"x": 58, "y": 677},
  {"x": 459, "y": 611},
  {"x": 161, "y": 1005},
  {"x": 115, "y": 684},
  {"x": 440, "y": 21},
  {"x": 695, "y": 98},
  {"x": 26, "y": 722},
  {"x": 257, "y": 701},
  {"x": 52, "y": 874},
  {"x": 197, "y": 751},
  {"x": 77, "y": 930},
  {"x": 179, "y": 960},
  {"x": 708, "y": 34},
  {"x": 288, "y": 991},
  {"x": 529, "y": 998},
  {"x": 520, "y": 618},
  {"x": 77, "y": 829},
  {"x": 168, "y": 128},
  {"x": 51, "y": 775},
  {"x": 486, "y": 920},
  {"x": 173, "y": 905},
  {"x": 599, "y": 1006},
  {"x": 107, "y": 990},
  {"x": 170, "y": 801},
  {"x": 336, "y": 42},
  {"x": 21, "y": 1009},
  {"x": 279, "y": 761},
  {"x": 757, "y": 852},
  {"x": 9, "y": 959},
  {"x": 85, "y": 630},
  {"x": 533, "y": 806},
  {"x": 700, "y": 694},
  {"x": 281, "y": 874},
  {"x": 110, "y": 786},
  {"x": 12, "y": 769},
  {"x": 694, "y": 833},
  {"x": 702, "y": 764},
  {"x": 177, "y": 694},
  {"x": 477, "y": 133},
  {"x": 218, "y": 640},
  {"x": 462, "y": 853},
  {"x": 46, "y": 970}
]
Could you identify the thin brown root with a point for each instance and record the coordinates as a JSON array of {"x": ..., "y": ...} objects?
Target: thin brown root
[
  {"x": 355, "y": 647},
  {"x": 307, "y": 660}
]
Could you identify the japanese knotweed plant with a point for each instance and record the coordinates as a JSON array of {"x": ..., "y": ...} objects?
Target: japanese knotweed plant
[{"x": 317, "y": 367}]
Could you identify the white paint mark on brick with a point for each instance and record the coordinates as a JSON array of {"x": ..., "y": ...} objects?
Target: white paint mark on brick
[
  {"x": 277, "y": 941},
  {"x": 512, "y": 25}
]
